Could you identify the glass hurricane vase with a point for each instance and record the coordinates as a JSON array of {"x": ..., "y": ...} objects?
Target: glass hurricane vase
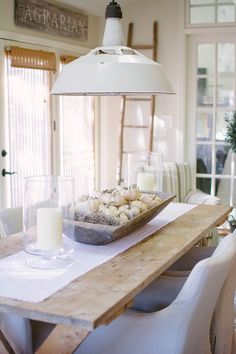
[{"x": 48, "y": 220}]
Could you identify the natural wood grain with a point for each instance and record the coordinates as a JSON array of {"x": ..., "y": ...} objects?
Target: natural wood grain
[
  {"x": 52, "y": 18},
  {"x": 142, "y": 46},
  {"x": 5, "y": 346},
  {"x": 63, "y": 340},
  {"x": 101, "y": 294},
  {"x": 97, "y": 234}
]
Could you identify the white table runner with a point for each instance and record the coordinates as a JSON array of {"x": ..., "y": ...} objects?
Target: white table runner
[{"x": 20, "y": 282}]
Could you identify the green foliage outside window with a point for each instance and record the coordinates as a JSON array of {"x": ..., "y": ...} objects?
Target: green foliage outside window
[{"x": 230, "y": 136}]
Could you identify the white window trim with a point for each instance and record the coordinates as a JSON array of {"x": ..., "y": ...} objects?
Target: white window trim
[
  {"x": 43, "y": 42},
  {"x": 205, "y": 25}
]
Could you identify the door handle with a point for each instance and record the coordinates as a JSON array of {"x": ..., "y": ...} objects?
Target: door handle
[{"x": 4, "y": 172}]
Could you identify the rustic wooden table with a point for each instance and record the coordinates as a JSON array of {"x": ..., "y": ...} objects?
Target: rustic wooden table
[{"x": 102, "y": 294}]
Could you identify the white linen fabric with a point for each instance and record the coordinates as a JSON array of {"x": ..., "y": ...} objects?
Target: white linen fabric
[
  {"x": 181, "y": 328},
  {"x": 20, "y": 282},
  {"x": 10, "y": 221},
  {"x": 199, "y": 197}
]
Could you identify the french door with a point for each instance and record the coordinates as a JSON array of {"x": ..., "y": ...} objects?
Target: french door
[
  {"x": 27, "y": 130},
  {"x": 211, "y": 96}
]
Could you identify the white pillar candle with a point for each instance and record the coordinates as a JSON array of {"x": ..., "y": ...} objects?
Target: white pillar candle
[
  {"x": 49, "y": 228},
  {"x": 146, "y": 181}
]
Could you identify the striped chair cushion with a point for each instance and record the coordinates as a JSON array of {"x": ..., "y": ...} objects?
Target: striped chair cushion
[
  {"x": 184, "y": 180},
  {"x": 177, "y": 179},
  {"x": 171, "y": 179}
]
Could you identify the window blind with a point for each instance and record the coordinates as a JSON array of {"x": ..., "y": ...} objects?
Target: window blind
[{"x": 31, "y": 59}]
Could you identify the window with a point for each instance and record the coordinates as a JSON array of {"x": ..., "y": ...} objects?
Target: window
[
  {"x": 211, "y": 97},
  {"x": 77, "y": 144},
  {"x": 210, "y": 12}
]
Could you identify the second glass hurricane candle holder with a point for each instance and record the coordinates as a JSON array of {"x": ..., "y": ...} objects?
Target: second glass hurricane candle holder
[
  {"x": 48, "y": 220},
  {"x": 145, "y": 169}
]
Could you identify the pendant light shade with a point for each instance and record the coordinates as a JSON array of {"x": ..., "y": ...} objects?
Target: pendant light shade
[{"x": 112, "y": 69}]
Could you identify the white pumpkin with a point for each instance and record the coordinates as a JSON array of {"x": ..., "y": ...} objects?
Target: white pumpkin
[
  {"x": 123, "y": 218},
  {"x": 115, "y": 200},
  {"x": 139, "y": 204},
  {"x": 147, "y": 198},
  {"x": 124, "y": 209},
  {"x": 134, "y": 211},
  {"x": 131, "y": 194},
  {"x": 114, "y": 210},
  {"x": 88, "y": 206},
  {"x": 108, "y": 212}
]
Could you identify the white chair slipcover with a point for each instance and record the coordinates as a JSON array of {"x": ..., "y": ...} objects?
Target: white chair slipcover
[
  {"x": 181, "y": 328},
  {"x": 164, "y": 290},
  {"x": 10, "y": 221}
]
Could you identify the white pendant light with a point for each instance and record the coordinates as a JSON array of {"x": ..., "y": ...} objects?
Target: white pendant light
[{"x": 112, "y": 69}]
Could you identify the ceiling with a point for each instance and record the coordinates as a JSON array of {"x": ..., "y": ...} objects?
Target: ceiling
[{"x": 94, "y": 7}]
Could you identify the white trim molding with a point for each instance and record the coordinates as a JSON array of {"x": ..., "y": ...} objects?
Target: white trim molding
[{"x": 43, "y": 42}]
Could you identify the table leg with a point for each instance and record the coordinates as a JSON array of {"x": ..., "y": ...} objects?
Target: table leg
[
  {"x": 5, "y": 344},
  {"x": 63, "y": 339}
]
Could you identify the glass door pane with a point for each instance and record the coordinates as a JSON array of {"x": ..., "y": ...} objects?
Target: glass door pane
[{"x": 29, "y": 127}]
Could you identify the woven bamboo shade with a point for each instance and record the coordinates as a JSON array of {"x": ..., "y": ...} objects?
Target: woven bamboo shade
[
  {"x": 31, "y": 59},
  {"x": 65, "y": 59}
]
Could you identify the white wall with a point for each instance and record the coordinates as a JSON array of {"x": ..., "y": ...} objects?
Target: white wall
[{"x": 168, "y": 110}]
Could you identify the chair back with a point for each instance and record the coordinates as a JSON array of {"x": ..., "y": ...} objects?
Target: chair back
[
  {"x": 222, "y": 327},
  {"x": 177, "y": 179},
  {"x": 193, "y": 308},
  {"x": 10, "y": 221}
]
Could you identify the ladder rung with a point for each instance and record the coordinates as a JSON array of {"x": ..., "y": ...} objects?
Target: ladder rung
[
  {"x": 138, "y": 99},
  {"x": 129, "y": 152},
  {"x": 136, "y": 126},
  {"x": 144, "y": 47}
]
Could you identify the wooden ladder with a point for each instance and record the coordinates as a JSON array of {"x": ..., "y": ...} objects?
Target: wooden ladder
[{"x": 128, "y": 99}]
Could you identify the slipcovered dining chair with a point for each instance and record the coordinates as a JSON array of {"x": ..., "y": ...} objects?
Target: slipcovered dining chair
[
  {"x": 10, "y": 221},
  {"x": 181, "y": 328},
  {"x": 164, "y": 290},
  {"x": 222, "y": 326}
]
